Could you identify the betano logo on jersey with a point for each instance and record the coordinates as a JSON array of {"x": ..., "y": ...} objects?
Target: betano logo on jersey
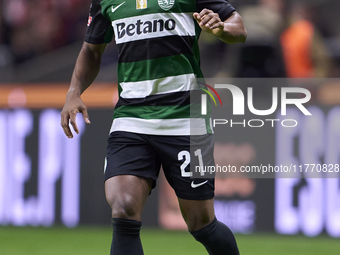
[
  {"x": 141, "y": 4},
  {"x": 166, "y": 4},
  {"x": 154, "y": 25},
  {"x": 145, "y": 27}
]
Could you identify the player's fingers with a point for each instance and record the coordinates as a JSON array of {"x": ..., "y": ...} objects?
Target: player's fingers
[
  {"x": 201, "y": 15},
  {"x": 67, "y": 131},
  {"x": 209, "y": 19},
  {"x": 86, "y": 115},
  {"x": 65, "y": 124},
  {"x": 73, "y": 122},
  {"x": 214, "y": 22},
  {"x": 197, "y": 17},
  {"x": 217, "y": 24},
  {"x": 204, "y": 12}
]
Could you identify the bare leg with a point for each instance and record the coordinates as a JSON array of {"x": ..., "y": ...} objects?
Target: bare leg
[
  {"x": 126, "y": 195},
  {"x": 197, "y": 213}
]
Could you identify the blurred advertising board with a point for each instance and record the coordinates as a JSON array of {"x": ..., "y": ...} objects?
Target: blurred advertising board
[{"x": 46, "y": 178}]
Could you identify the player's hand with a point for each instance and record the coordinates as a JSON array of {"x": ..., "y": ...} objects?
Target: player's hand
[
  {"x": 209, "y": 21},
  {"x": 73, "y": 105}
]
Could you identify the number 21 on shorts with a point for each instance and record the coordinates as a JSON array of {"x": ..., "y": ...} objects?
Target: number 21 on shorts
[{"x": 185, "y": 155}]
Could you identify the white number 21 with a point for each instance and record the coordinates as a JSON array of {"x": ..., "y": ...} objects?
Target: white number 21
[{"x": 186, "y": 156}]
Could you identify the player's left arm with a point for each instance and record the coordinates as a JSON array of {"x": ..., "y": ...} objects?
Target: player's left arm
[{"x": 231, "y": 30}]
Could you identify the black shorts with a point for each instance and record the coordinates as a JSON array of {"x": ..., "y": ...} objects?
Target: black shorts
[{"x": 143, "y": 155}]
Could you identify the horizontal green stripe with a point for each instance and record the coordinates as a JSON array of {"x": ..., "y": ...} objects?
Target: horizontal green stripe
[
  {"x": 153, "y": 112},
  {"x": 158, "y": 112},
  {"x": 158, "y": 68}
]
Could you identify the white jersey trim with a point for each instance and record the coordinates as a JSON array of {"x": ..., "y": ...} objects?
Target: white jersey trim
[
  {"x": 172, "y": 127},
  {"x": 142, "y": 89}
]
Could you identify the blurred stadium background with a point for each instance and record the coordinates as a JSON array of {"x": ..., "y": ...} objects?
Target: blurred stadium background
[{"x": 51, "y": 188}]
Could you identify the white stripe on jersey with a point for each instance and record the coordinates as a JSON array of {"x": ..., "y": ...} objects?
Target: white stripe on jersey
[
  {"x": 138, "y": 27},
  {"x": 174, "y": 127},
  {"x": 141, "y": 89}
]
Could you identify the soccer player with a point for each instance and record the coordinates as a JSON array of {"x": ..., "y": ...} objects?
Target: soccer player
[{"x": 157, "y": 66}]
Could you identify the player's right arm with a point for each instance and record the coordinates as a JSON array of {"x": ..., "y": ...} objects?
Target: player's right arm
[{"x": 85, "y": 71}]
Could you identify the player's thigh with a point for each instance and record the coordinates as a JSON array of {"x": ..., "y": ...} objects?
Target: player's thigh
[
  {"x": 132, "y": 167},
  {"x": 127, "y": 194},
  {"x": 197, "y": 213}
]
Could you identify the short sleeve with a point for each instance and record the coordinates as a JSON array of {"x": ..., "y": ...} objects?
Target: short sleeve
[
  {"x": 222, "y": 7},
  {"x": 99, "y": 29}
]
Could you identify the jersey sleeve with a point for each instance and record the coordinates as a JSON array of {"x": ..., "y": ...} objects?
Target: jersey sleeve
[
  {"x": 99, "y": 29},
  {"x": 222, "y": 7}
]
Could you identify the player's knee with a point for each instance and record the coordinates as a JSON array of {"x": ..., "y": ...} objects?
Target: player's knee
[
  {"x": 125, "y": 207},
  {"x": 198, "y": 221}
]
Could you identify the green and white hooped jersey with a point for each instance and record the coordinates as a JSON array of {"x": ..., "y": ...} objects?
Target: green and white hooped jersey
[{"x": 158, "y": 61}]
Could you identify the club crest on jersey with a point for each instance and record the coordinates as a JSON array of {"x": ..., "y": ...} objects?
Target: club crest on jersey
[
  {"x": 141, "y": 4},
  {"x": 166, "y": 4}
]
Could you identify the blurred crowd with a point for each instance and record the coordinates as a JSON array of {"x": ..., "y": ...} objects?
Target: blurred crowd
[
  {"x": 285, "y": 38},
  {"x": 29, "y": 28}
]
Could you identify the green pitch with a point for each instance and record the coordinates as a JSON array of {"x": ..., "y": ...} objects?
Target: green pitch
[{"x": 96, "y": 240}]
